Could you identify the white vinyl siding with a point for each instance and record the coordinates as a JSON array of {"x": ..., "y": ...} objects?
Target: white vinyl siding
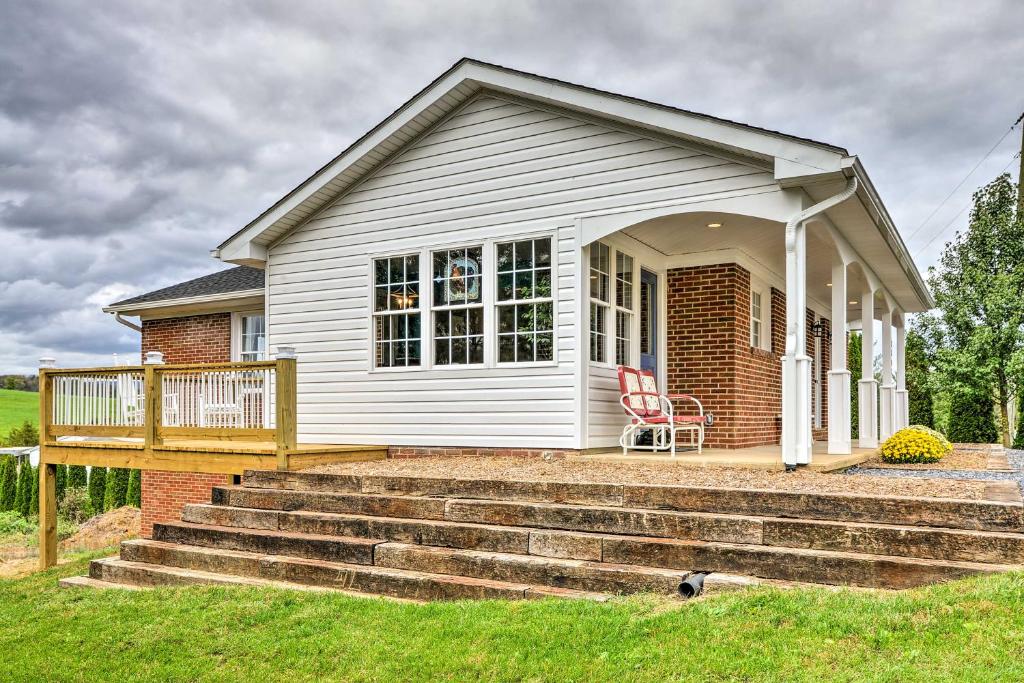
[{"x": 496, "y": 171}]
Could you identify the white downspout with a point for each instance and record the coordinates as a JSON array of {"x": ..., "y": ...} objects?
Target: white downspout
[
  {"x": 127, "y": 323},
  {"x": 796, "y": 369}
]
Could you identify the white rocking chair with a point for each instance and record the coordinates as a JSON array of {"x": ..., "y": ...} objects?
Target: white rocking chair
[{"x": 652, "y": 411}]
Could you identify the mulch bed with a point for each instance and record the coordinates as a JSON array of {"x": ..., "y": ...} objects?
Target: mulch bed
[
  {"x": 566, "y": 470},
  {"x": 957, "y": 460}
]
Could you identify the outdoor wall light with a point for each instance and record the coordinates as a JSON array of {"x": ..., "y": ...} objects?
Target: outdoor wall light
[
  {"x": 714, "y": 225},
  {"x": 818, "y": 330}
]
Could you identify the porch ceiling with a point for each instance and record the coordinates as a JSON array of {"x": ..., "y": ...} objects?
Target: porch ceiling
[{"x": 688, "y": 235}]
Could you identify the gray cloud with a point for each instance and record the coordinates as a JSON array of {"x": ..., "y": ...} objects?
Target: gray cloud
[{"x": 136, "y": 136}]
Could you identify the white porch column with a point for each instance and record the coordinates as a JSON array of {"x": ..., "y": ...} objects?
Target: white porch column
[
  {"x": 867, "y": 387},
  {"x": 902, "y": 395},
  {"x": 796, "y": 365},
  {"x": 887, "y": 425},
  {"x": 838, "y": 375}
]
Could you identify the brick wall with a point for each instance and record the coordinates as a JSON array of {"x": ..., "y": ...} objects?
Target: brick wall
[
  {"x": 709, "y": 354},
  {"x": 193, "y": 339},
  {"x": 164, "y": 494}
]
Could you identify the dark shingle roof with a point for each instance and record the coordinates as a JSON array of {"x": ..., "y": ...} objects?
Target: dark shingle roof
[{"x": 236, "y": 279}]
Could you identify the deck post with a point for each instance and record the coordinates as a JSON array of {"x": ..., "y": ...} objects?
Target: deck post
[
  {"x": 152, "y": 386},
  {"x": 47, "y": 472},
  {"x": 867, "y": 403},
  {"x": 838, "y": 374},
  {"x": 286, "y": 411}
]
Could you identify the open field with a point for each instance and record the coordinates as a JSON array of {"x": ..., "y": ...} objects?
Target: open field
[
  {"x": 16, "y": 407},
  {"x": 965, "y": 631}
]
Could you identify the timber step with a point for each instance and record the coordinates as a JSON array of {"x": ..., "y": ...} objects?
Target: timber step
[
  {"x": 580, "y": 560},
  {"x": 875, "y": 539},
  {"x": 145, "y": 562},
  {"x": 994, "y": 515}
]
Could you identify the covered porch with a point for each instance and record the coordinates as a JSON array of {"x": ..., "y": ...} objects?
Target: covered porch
[
  {"x": 746, "y": 303},
  {"x": 768, "y": 458}
]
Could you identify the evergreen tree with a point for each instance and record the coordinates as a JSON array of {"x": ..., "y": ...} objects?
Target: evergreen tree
[
  {"x": 77, "y": 477},
  {"x": 919, "y": 392},
  {"x": 116, "y": 494},
  {"x": 35, "y": 489},
  {"x": 8, "y": 482},
  {"x": 61, "y": 482},
  {"x": 24, "y": 499},
  {"x": 971, "y": 418},
  {"x": 1018, "y": 440},
  {"x": 853, "y": 360},
  {"x": 135, "y": 488},
  {"x": 97, "y": 487}
]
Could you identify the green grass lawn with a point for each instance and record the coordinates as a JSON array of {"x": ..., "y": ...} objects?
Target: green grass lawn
[
  {"x": 16, "y": 407},
  {"x": 971, "y": 630}
]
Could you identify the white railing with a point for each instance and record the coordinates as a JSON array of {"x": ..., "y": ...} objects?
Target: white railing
[
  {"x": 220, "y": 398},
  {"x": 102, "y": 398}
]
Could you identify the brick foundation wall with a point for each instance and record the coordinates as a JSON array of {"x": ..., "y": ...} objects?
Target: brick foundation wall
[
  {"x": 193, "y": 339},
  {"x": 709, "y": 354},
  {"x": 164, "y": 494},
  {"x": 460, "y": 451}
]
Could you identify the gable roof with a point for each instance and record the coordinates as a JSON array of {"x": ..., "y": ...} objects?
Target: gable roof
[
  {"x": 241, "y": 280},
  {"x": 792, "y": 156}
]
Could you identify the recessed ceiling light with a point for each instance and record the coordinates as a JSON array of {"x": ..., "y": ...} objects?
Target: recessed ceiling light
[
  {"x": 853, "y": 303},
  {"x": 828, "y": 284},
  {"x": 714, "y": 225}
]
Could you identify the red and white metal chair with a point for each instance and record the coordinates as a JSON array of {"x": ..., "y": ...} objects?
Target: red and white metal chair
[{"x": 650, "y": 410}]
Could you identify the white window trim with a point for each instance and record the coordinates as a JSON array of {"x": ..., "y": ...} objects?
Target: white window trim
[
  {"x": 760, "y": 287},
  {"x": 608, "y": 306},
  {"x": 632, "y": 356},
  {"x": 490, "y": 303},
  {"x": 236, "y": 333},
  {"x": 429, "y": 333},
  {"x": 494, "y": 303}
]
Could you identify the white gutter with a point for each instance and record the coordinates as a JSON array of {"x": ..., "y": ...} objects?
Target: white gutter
[
  {"x": 127, "y": 323},
  {"x": 796, "y": 295}
]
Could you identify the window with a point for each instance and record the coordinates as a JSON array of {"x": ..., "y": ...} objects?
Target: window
[
  {"x": 760, "y": 317},
  {"x": 253, "y": 338},
  {"x": 623, "y": 306},
  {"x": 458, "y": 311},
  {"x": 396, "y": 316},
  {"x": 599, "y": 301},
  {"x": 525, "y": 309}
]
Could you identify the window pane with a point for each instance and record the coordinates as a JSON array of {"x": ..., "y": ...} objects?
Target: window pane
[
  {"x": 504, "y": 257},
  {"x": 380, "y": 272},
  {"x": 623, "y": 280},
  {"x": 412, "y": 268},
  {"x": 545, "y": 320},
  {"x": 505, "y": 281},
  {"x": 524, "y": 275},
  {"x": 414, "y": 352},
  {"x": 476, "y": 349},
  {"x": 543, "y": 290},
  {"x": 598, "y": 333},
  {"x": 506, "y": 319},
  {"x": 441, "y": 351},
  {"x": 459, "y": 322},
  {"x": 545, "y": 347},
  {"x": 542, "y": 252},
  {"x": 441, "y": 324},
  {"x": 599, "y": 271},
  {"x": 476, "y": 321},
  {"x": 506, "y": 348},
  {"x": 623, "y": 322},
  {"x": 524, "y": 347},
  {"x": 459, "y": 350},
  {"x": 524, "y": 255}
]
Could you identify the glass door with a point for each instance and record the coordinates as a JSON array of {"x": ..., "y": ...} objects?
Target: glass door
[{"x": 648, "y": 321}]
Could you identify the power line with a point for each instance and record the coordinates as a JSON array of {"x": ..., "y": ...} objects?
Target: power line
[
  {"x": 961, "y": 183},
  {"x": 958, "y": 213}
]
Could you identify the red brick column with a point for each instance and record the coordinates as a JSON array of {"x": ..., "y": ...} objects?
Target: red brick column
[
  {"x": 164, "y": 494},
  {"x": 191, "y": 339}
]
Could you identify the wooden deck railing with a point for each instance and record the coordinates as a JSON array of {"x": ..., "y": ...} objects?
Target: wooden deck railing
[{"x": 155, "y": 402}]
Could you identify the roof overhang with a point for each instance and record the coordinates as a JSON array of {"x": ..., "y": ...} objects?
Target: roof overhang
[{"x": 195, "y": 305}]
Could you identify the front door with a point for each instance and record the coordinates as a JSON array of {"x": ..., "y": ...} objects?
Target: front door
[{"x": 648, "y": 321}]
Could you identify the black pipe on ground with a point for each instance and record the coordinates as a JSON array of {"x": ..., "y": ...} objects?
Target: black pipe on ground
[{"x": 693, "y": 585}]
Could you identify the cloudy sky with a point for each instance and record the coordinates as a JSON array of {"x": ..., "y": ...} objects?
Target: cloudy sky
[{"x": 135, "y": 136}]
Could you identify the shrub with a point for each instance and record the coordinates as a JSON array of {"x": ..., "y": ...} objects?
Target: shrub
[
  {"x": 97, "y": 487},
  {"x": 25, "y": 435},
  {"x": 8, "y": 482},
  {"x": 60, "y": 480},
  {"x": 915, "y": 445},
  {"x": 77, "y": 477},
  {"x": 135, "y": 488},
  {"x": 23, "y": 502},
  {"x": 74, "y": 505},
  {"x": 116, "y": 494},
  {"x": 971, "y": 418},
  {"x": 12, "y": 523}
]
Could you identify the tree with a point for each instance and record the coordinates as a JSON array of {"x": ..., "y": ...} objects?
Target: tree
[
  {"x": 853, "y": 361},
  {"x": 919, "y": 392},
  {"x": 23, "y": 503},
  {"x": 116, "y": 493},
  {"x": 97, "y": 487},
  {"x": 971, "y": 418},
  {"x": 25, "y": 435},
  {"x": 135, "y": 488},
  {"x": 35, "y": 489},
  {"x": 978, "y": 332},
  {"x": 77, "y": 476},
  {"x": 1018, "y": 440},
  {"x": 8, "y": 482}
]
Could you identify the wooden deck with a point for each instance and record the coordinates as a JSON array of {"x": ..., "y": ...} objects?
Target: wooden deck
[{"x": 202, "y": 455}]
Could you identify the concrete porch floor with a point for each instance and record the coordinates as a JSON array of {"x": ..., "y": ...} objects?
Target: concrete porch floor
[{"x": 755, "y": 458}]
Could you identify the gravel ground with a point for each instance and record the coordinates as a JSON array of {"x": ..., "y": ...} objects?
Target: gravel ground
[
  {"x": 563, "y": 470},
  {"x": 1015, "y": 458}
]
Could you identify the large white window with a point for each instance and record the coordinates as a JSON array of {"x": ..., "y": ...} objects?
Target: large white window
[
  {"x": 458, "y": 309},
  {"x": 524, "y": 303},
  {"x": 600, "y": 302},
  {"x": 396, "y": 316},
  {"x": 760, "y": 316},
  {"x": 252, "y": 337},
  {"x": 623, "y": 307}
]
